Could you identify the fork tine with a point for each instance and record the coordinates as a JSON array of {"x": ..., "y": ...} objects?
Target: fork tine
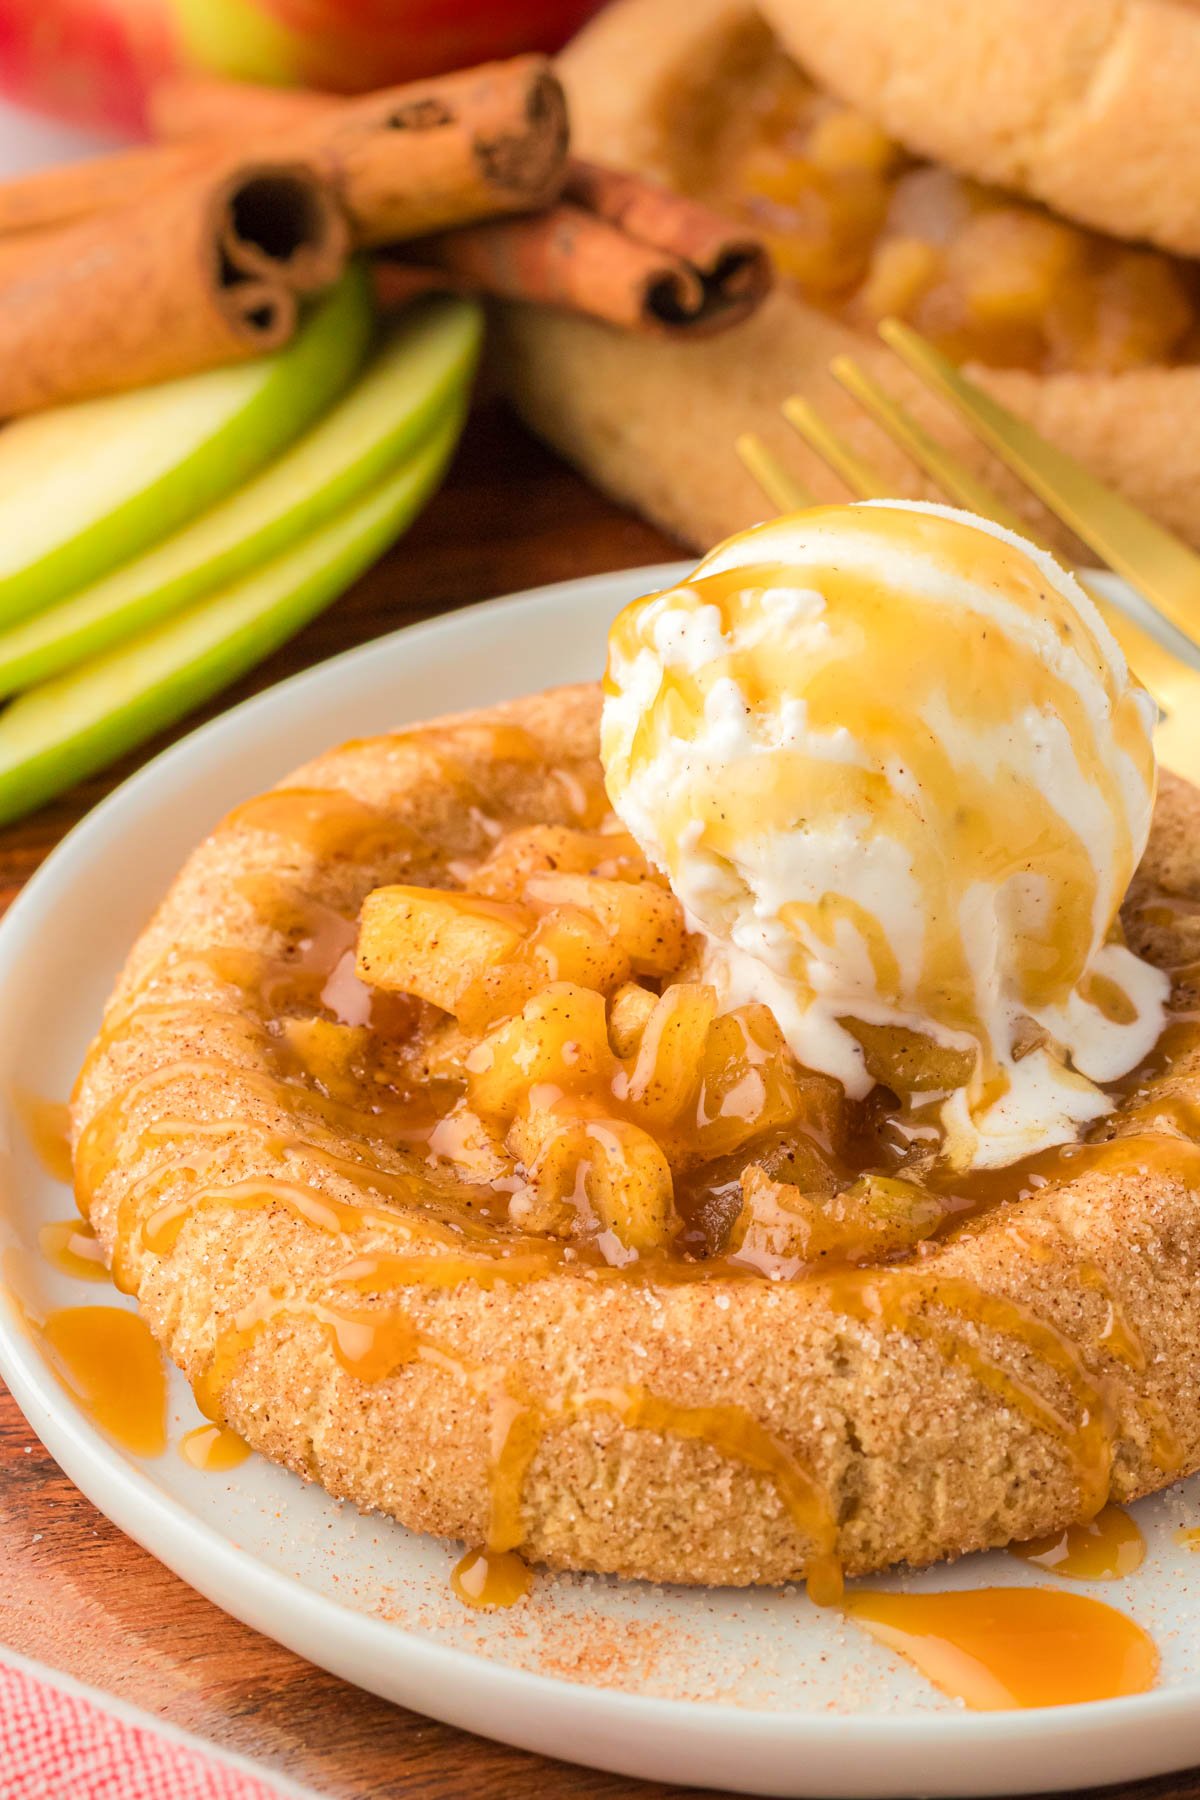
[
  {"x": 780, "y": 487},
  {"x": 819, "y": 435},
  {"x": 945, "y": 468},
  {"x": 1148, "y": 556},
  {"x": 1174, "y": 683}
]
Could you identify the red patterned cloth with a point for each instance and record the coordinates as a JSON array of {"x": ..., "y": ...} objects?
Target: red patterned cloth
[{"x": 64, "y": 1743}]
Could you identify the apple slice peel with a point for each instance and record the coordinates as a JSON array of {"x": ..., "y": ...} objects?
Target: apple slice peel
[
  {"x": 421, "y": 366},
  {"x": 66, "y": 729},
  {"x": 86, "y": 487}
]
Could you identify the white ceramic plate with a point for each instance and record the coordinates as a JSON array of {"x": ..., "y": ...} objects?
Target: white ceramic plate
[{"x": 758, "y": 1692}]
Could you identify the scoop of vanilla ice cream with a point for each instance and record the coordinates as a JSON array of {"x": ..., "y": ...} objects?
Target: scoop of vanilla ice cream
[{"x": 898, "y": 774}]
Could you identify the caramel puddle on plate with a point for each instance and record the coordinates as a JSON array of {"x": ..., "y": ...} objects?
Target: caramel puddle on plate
[
  {"x": 996, "y": 1648},
  {"x": 70, "y": 1245},
  {"x": 213, "y": 1448},
  {"x": 108, "y": 1361},
  {"x": 1109, "y": 1547},
  {"x": 47, "y": 1125},
  {"x": 491, "y": 1578}
]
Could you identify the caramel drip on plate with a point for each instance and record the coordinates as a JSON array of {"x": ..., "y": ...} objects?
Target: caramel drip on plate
[
  {"x": 491, "y": 1578},
  {"x": 108, "y": 1362},
  {"x": 47, "y": 1125},
  {"x": 213, "y": 1448},
  {"x": 1107, "y": 1548},
  {"x": 997, "y": 1648},
  {"x": 71, "y": 1246}
]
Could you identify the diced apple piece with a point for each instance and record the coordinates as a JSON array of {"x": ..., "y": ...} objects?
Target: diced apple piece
[
  {"x": 334, "y": 1056},
  {"x": 753, "y": 1085},
  {"x": 540, "y": 1139},
  {"x": 568, "y": 944},
  {"x": 496, "y": 994},
  {"x": 628, "y": 1015},
  {"x": 560, "y": 1038},
  {"x": 666, "y": 1073},
  {"x": 645, "y": 919},
  {"x": 627, "y": 1180},
  {"x": 907, "y": 1061},
  {"x": 441, "y": 1054},
  {"x": 550, "y": 849},
  {"x": 876, "y": 1218},
  {"x": 470, "y": 1145},
  {"x": 617, "y": 1170},
  {"x": 748, "y": 1082},
  {"x": 433, "y": 943}
]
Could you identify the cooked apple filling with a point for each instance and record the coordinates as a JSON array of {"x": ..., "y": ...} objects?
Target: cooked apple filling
[
  {"x": 866, "y": 230},
  {"x": 567, "y": 1062}
]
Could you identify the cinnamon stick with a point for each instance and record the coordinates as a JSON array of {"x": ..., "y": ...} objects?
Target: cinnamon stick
[
  {"x": 67, "y": 192},
  {"x": 304, "y": 223},
  {"x": 407, "y": 160},
  {"x": 185, "y": 107},
  {"x": 402, "y": 162},
  {"x": 202, "y": 273},
  {"x": 733, "y": 266},
  {"x": 618, "y": 247}
]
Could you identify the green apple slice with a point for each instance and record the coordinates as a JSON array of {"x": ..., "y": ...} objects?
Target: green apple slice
[
  {"x": 54, "y": 735},
  {"x": 85, "y": 487},
  {"x": 427, "y": 359}
]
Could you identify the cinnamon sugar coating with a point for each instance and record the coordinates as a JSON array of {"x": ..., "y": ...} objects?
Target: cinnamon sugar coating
[{"x": 996, "y": 1387}]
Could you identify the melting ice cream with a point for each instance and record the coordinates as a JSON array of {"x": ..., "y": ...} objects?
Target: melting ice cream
[{"x": 898, "y": 773}]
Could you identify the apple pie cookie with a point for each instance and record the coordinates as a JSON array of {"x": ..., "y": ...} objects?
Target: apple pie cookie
[{"x": 481, "y": 1214}]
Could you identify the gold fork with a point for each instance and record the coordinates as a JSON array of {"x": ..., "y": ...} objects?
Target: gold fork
[{"x": 1162, "y": 568}]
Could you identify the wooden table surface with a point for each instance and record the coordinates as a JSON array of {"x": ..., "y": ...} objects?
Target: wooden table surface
[{"x": 78, "y": 1595}]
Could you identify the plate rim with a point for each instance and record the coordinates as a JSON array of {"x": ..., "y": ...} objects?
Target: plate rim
[{"x": 247, "y": 1587}]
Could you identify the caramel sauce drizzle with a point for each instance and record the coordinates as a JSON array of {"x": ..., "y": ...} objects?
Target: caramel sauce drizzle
[
  {"x": 327, "y": 822},
  {"x": 109, "y": 1363},
  {"x": 47, "y": 1125},
  {"x": 373, "y": 1342},
  {"x": 213, "y": 1448},
  {"x": 491, "y": 1578},
  {"x": 896, "y": 1298},
  {"x": 99, "y": 1147},
  {"x": 992, "y": 822},
  {"x": 71, "y": 1246},
  {"x": 1106, "y": 1548},
  {"x": 998, "y": 1648},
  {"x": 1116, "y": 1339}
]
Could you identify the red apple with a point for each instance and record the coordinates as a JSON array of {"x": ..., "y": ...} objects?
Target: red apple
[{"x": 93, "y": 60}]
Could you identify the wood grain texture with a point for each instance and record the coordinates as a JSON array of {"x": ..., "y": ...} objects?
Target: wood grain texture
[{"x": 76, "y": 1593}]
